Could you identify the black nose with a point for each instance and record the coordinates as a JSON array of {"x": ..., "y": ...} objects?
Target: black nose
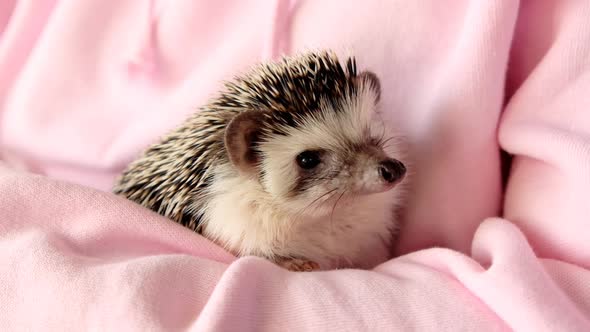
[{"x": 391, "y": 170}]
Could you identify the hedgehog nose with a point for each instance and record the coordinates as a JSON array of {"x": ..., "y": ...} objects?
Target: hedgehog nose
[{"x": 392, "y": 170}]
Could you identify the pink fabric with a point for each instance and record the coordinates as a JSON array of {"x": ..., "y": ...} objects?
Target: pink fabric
[{"x": 86, "y": 84}]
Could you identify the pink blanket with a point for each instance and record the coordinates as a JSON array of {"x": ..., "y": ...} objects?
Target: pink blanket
[{"x": 86, "y": 84}]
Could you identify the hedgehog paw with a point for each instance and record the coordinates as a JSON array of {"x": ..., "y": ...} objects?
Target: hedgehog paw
[{"x": 299, "y": 265}]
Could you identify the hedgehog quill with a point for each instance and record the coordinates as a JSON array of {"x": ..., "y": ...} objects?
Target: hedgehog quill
[{"x": 290, "y": 163}]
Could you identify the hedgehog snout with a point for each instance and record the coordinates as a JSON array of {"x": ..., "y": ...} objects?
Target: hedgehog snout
[{"x": 379, "y": 176}]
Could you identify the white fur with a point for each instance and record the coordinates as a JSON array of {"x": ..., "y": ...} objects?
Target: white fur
[
  {"x": 247, "y": 222},
  {"x": 250, "y": 218}
]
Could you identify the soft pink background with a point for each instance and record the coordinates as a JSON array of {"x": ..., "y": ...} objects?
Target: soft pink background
[{"x": 86, "y": 84}]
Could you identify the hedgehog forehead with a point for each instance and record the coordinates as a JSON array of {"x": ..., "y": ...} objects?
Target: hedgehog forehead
[{"x": 337, "y": 126}]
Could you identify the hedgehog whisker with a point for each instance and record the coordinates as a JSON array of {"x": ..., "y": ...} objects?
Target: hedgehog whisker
[
  {"x": 387, "y": 146},
  {"x": 320, "y": 178},
  {"x": 329, "y": 176},
  {"x": 332, "y": 213},
  {"x": 311, "y": 208},
  {"x": 301, "y": 211},
  {"x": 334, "y": 208},
  {"x": 388, "y": 139},
  {"x": 383, "y": 128}
]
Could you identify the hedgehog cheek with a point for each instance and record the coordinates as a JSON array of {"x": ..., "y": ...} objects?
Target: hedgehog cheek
[{"x": 240, "y": 136}]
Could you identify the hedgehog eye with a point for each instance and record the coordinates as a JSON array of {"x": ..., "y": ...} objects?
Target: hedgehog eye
[{"x": 308, "y": 159}]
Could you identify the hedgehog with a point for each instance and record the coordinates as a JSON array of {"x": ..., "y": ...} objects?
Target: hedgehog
[{"x": 291, "y": 162}]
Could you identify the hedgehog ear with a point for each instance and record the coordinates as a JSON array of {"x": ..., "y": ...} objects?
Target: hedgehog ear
[
  {"x": 240, "y": 136},
  {"x": 371, "y": 80}
]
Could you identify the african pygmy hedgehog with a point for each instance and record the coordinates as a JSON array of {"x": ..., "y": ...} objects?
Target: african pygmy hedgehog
[{"x": 288, "y": 163}]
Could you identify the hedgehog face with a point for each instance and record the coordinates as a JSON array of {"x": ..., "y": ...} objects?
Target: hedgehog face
[{"x": 340, "y": 150}]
